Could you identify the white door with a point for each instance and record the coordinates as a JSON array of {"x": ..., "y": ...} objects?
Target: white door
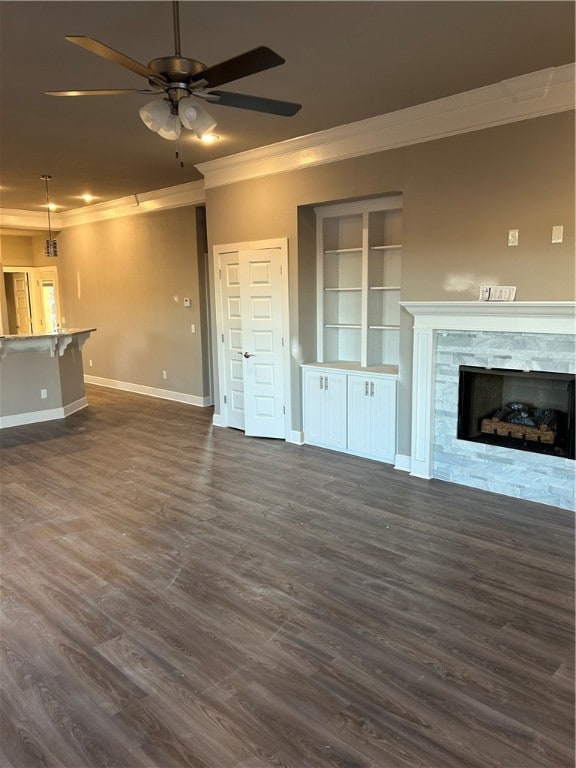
[
  {"x": 252, "y": 353},
  {"x": 232, "y": 375},
  {"x": 262, "y": 353},
  {"x": 47, "y": 313},
  {"x": 22, "y": 302}
]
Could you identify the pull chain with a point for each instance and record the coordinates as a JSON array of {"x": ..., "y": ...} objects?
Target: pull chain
[{"x": 180, "y": 154}]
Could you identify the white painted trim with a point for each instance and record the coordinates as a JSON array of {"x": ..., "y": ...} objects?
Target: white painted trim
[
  {"x": 141, "y": 389},
  {"x": 36, "y": 417},
  {"x": 13, "y": 218},
  {"x": 402, "y": 462},
  {"x": 296, "y": 437},
  {"x": 133, "y": 205},
  {"x": 218, "y": 421},
  {"x": 519, "y": 316},
  {"x": 521, "y": 98}
]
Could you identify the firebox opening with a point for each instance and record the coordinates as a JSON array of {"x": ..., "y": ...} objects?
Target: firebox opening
[{"x": 524, "y": 410}]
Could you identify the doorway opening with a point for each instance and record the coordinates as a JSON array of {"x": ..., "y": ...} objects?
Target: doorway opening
[{"x": 32, "y": 300}]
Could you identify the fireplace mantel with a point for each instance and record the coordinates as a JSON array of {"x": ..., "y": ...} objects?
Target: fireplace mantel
[
  {"x": 522, "y": 316},
  {"x": 431, "y": 318}
]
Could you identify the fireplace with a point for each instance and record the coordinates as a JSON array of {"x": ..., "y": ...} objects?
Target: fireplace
[
  {"x": 509, "y": 339},
  {"x": 521, "y": 410}
]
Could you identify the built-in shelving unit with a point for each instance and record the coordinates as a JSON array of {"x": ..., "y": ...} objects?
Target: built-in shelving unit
[
  {"x": 349, "y": 392},
  {"x": 359, "y": 261}
]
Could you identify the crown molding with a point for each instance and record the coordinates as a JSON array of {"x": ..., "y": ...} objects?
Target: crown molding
[
  {"x": 12, "y": 218},
  {"x": 535, "y": 94},
  {"x": 191, "y": 193}
]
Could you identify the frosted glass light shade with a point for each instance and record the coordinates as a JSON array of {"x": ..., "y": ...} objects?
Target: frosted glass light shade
[
  {"x": 171, "y": 128},
  {"x": 194, "y": 117},
  {"x": 155, "y": 114}
]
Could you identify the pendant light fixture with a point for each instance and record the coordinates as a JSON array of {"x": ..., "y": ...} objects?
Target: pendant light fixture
[{"x": 51, "y": 245}]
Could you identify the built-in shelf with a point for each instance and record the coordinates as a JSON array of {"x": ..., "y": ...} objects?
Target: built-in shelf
[
  {"x": 383, "y": 288},
  {"x": 358, "y": 281},
  {"x": 342, "y": 289}
]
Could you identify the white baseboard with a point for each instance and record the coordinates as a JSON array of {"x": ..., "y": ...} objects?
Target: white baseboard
[
  {"x": 403, "y": 462},
  {"x": 49, "y": 414},
  {"x": 141, "y": 389},
  {"x": 296, "y": 437},
  {"x": 217, "y": 420}
]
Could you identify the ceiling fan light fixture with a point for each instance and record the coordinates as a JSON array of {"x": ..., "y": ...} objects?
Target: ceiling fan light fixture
[
  {"x": 194, "y": 117},
  {"x": 156, "y": 114},
  {"x": 171, "y": 129}
]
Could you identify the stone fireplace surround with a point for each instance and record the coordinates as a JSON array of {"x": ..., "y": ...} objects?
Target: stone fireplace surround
[{"x": 511, "y": 335}]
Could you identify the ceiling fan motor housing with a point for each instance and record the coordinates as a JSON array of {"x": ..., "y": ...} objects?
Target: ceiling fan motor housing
[{"x": 177, "y": 69}]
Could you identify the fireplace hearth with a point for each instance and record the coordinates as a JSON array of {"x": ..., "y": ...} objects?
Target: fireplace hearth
[{"x": 521, "y": 410}]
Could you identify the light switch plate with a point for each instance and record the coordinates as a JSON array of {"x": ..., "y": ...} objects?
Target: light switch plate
[
  {"x": 187, "y": 302},
  {"x": 512, "y": 237},
  {"x": 557, "y": 233}
]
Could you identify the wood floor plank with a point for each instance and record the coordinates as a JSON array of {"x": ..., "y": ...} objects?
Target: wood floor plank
[{"x": 175, "y": 594}]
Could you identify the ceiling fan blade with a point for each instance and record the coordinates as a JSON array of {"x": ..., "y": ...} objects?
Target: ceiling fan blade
[
  {"x": 100, "y": 49},
  {"x": 102, "y": 92},
  {"x": 243, "y": 65},
  {"x": 257, "y": 103}
]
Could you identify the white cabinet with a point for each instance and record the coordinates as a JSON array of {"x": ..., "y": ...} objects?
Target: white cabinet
[
  {"x": 325, "y": 408},
  {"x": 372, "y": 416},
  {"x": 350, "y": 411},
  {"x": 358, "y": 277}
]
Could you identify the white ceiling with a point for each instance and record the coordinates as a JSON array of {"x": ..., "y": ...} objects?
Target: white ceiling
[{"x": 345, "y": 61}]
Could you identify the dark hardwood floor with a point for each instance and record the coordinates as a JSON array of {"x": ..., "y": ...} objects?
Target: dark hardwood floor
[{"x": 181, "y": 595}]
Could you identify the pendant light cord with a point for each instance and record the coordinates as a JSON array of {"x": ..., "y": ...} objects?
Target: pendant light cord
[{"x": 46, "y": 177}]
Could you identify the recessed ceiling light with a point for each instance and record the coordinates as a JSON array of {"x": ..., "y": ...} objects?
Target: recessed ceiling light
[
  {"x": 87, "y": 197},
  {"x": 51, "y": 206},
  {"x": 209, "y": 138}
]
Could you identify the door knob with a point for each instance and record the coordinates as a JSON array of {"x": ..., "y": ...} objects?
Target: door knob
[{"x": 247, "y": 354}]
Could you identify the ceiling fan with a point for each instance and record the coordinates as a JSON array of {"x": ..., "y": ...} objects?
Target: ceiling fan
[{"x": 183, "y": 81}]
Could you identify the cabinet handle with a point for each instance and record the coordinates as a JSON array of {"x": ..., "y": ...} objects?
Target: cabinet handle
[
  {"x": 366, "y": 388},
  {"x": 371, "y": 389},
  {"x": 321, "y": 382}
]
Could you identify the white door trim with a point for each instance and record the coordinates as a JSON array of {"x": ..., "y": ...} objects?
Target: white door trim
[{"x": 281, "y": 244}]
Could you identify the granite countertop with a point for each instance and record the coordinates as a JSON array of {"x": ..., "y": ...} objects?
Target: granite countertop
[{"x": 55, "y": 335}]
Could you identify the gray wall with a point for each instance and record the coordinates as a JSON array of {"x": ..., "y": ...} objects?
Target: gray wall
[
  {"x": 128, "y": 278},
  {"x": 461, "y": 195}
]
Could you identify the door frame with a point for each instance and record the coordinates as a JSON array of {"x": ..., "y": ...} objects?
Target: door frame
[{"x": 280, "y": 244}]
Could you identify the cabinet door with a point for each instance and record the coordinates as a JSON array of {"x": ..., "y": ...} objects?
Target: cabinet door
[
  {"x": 383, "y": 421},
  {"x": 359, "y": 410},
  {"x": 313, "y": 406},
  {"x": 335, "y": 426}
]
